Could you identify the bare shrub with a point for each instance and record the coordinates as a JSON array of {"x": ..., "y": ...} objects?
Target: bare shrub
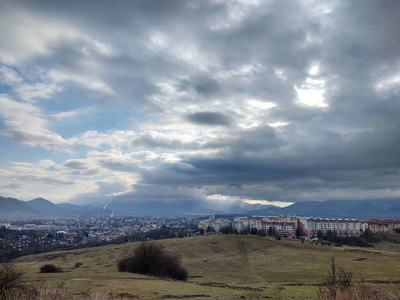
[
  {"x": 10, "y": 279},
  {"x": 58, "y": 291},
  {"x": 152, "y": 259},
  {"x": 339, "y": 285},
  {"x": 354, "y": 293}
]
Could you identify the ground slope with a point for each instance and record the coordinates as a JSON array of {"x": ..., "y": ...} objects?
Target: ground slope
[{"x": 220, "y": 267}]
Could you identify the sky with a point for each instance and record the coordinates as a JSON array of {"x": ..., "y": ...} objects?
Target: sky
[{"x": 269, "y": 102}]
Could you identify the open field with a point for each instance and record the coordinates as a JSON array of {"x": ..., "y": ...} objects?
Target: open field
[{"x": 220, "y": 267}]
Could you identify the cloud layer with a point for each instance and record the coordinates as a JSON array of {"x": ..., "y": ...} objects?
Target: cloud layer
[{"x": 200, "y": 100}]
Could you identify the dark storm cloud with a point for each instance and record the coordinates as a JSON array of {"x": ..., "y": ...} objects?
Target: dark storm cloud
[
  {"x": 149, "y": 141},
  {"x": 209, "y": 118},
  {"x": 365, "y": 162},
  {"x": 351, "y": 145}
]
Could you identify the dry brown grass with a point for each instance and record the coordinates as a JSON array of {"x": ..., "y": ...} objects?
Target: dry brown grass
[{"x": 223, "y": 267}]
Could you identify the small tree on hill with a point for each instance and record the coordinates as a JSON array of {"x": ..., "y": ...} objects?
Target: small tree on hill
[
  {"x": 300, "y": 229},
  {"x": 253, "y": 231},
  {"x": 227, "y": 230}
]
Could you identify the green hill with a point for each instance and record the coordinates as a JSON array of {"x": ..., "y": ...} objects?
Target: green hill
[{"x": 220, "y": 267}]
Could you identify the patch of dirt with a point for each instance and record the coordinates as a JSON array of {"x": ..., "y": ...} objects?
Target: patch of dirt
[
  {"x": 383, "y": 281},
  {"x": 302, "y": 284},
  {"x": 360, "y": 259},
  {"x": 233, "y": 287},
  {"x": 184, "y": 296},
  {"x": 123, "y": 296}
]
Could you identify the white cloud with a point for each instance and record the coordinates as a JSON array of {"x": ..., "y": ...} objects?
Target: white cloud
[
  {"x": 38, "y": 90},
  {"x": 73, "y": 113},
  {"x": 261, "y": 105},
  {"x": 118, "y": 138},
  {"x": 389, "y": 85},
  {"x": 27, "y": 36},
  {"x": 24, "y": 123},
  {"x": 28, "y": 91},
  {"x": 9, "y": 76},
  {"x": 87, "y": 82},
  {"x": 312, "y": 92}
]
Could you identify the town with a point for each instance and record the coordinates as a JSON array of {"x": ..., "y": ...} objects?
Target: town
[
  {"x": 291, "y": 226},
  {"x": 41, "y": 235}
]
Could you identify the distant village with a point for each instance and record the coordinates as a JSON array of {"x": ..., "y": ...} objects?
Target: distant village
[{"x": 41, "y": 235}]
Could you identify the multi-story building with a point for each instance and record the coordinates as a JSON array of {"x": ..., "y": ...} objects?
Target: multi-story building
[
  {"x": 341, "y": 227},
  {"x": 215, "y": 224},
  {"x": 381, "y": 226}
]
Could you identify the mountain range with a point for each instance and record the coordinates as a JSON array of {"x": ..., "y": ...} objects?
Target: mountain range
[
  {"x": 11, "y": 208},
  {"x": 14, "y": 209}
]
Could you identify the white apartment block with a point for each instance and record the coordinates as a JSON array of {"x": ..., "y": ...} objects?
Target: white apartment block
[
  {"x": 288, "y": 225},
  {"x": 341, "y": 227}
]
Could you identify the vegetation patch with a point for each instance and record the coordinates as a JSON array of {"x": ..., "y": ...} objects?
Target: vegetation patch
[
  {"x": 49, "y": 268},
  {"x": 152, "y": 259}
]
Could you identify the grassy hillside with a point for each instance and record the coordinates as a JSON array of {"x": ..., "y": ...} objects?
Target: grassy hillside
[{"x": 220, "y": 266}]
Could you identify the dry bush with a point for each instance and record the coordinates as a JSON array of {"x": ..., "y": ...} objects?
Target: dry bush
[
  {"x": 56, "y": 291},
  {"x": 12, "y": 287},
  {"x": 10, "y": 279},
  {"x": 51, "y": 294},
  {"x": 337, "y": 279},
  {"x": 152, "y": 259},
  {"x": 339, "y": 285},
  {"x": 354, "y": 293}
]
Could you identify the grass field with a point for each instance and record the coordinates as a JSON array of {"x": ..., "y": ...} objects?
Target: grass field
[{"x": 220, "y": 267}]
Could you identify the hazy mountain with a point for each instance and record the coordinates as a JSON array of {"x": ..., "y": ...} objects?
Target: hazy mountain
[
  {"x": 11, "y": 204},
  {"x": 45, "y": 207},
  {"x": 84, "y": 210},
  {"x": 41, "y": 208},
  {"x": 11, "y": 208}
]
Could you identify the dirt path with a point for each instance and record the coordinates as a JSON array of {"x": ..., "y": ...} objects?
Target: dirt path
[{"x": 246, "y": 261}]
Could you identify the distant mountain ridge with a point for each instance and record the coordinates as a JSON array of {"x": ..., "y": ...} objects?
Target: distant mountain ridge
[{"x": 11, "y": 208}]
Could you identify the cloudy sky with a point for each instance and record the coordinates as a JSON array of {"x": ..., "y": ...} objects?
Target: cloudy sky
[{"x": 273, "y": 101}]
